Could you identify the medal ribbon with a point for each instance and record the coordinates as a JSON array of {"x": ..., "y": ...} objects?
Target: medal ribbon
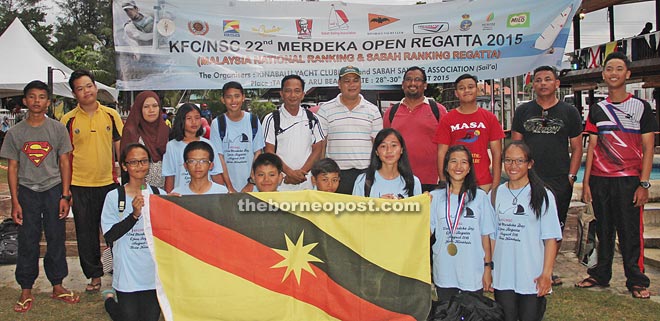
[{"x": 461, "y": 203}]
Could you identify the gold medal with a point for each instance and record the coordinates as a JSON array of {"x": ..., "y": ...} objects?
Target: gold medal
[{"x": 452, "y": 249}]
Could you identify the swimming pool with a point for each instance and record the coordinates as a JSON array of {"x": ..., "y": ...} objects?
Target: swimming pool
[{"x": 655, "y": 173}]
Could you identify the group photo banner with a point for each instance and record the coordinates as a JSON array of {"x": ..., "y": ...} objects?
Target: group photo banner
[{"x": 202, "y": 44}]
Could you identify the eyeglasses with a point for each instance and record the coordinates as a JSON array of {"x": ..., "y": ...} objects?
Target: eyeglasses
[
  {"x": 135, "y": 163},
  {"x": 193, "y": 162},
  {"x": 417, "y": 79},
  {"x": 508, "y": 161}
]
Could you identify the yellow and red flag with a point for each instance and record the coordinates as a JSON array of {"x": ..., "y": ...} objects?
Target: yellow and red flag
[{"x": 290, "y": 256}]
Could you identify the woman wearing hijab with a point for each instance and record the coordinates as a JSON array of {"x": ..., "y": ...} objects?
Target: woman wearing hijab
[{"x": 145, "y": 125}]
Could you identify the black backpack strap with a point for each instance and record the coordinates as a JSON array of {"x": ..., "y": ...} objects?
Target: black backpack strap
[
  {"x": 254, "y": 122},
  {"x": 434, "y": 109},
  {"x": 276, "y": 125},
  {"x": 367, "y": 186},
  {"x": 121, "y": 200},
  {"x": 393, "y": 111},
  {"x": 154, "y": 190},
  {"x": 311, "y": 119},
  {"x": 222, "y": 126}
]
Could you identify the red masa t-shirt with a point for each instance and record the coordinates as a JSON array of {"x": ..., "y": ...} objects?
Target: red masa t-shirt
[{"x": 475, "y": 131}]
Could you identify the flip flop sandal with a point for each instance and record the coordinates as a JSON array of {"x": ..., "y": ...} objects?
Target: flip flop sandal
[
  {"x": 592, "y": 283},
  {"x": 556, "y": 281},
  {"x": 25, "y": 306},
  {"x": 636, "y": 292},
  {"x": 93, "y": 288},
  {"x": 70, "y": 297}
]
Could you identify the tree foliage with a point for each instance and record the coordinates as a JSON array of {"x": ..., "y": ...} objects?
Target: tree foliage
[
  {"x": 84, "y": 37},
  {"x": 32, "y": 14},
  {"x": 262, "y": 108}
]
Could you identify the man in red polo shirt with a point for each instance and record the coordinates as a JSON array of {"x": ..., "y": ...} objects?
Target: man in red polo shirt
[{"x": 416, "y": 117}]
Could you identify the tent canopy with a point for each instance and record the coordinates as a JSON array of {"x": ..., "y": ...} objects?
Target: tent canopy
[{"x": 23, "y": 60}]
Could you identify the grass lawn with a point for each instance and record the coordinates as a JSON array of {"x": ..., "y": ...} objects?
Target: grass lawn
[
  {"x": 578, "y": 304},
  {"x": 565, "y": 304}
]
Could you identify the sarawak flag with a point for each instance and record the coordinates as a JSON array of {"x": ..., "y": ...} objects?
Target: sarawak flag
[{"x": 304, "y": 255}]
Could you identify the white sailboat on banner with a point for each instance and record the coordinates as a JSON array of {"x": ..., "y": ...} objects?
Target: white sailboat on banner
[
  {"x": 549, "y": 35},
  {"x": 337, "y": 20}
]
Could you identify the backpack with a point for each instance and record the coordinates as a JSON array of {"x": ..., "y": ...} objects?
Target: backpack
[
  {"x": 432, "y": 103},
  {"x": 467, "y": 306},
  {"x": 311, "y": 120},
  {"x": 8, "y": 241},
  {"x": 222, "y": 126}
]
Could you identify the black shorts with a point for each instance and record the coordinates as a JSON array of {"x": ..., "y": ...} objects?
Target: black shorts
[{"x": 561, "y": 187}]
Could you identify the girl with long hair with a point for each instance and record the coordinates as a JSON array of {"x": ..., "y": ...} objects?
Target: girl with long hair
[
  {"x": 462, "y": 220},
  {"x": 133, "y": 296},
  {"x": 186, "y": 128},
  {"x": 389, "y": 174},
  {"x": 146, "y": 126},
  {"x": 525, "y": 241}
]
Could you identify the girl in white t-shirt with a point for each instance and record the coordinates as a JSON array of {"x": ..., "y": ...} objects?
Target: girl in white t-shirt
[
  {"x": 187, "y": 128},
  {"x": 134, "y": 271},
  {"x": 389, "y": 174},
  {"x": 526, "y": 238},
  {"x": 462, "y": 219}
]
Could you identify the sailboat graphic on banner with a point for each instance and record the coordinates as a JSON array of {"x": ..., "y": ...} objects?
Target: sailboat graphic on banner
[
  {"x": 549, "y": 35},
  {"x": 337, "y": 19}
]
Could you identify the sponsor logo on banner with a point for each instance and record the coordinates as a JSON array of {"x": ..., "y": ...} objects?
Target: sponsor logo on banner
[
  {"x": 337, "y": 23},
  {"x": 166, "y": 27},
  {"x": 489, "y": 24},
  {"x": 466, "y": 23},
  {"x": 337, "y": 20},
  {"x": 231, "y": 28},
  {"x": 262, "y": 30},
  {"x": 430, "y": 27},
  {"x": 518, "y": 20},
  {"x": 198, "y": 28},
  {"x": 304, "y": 28},
  {"x": 378, "y": 20}
]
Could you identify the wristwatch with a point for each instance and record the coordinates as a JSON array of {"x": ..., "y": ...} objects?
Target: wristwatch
[
  {"x": 645, "y": 184},
  {"x": 491, "y": 264},
  {"x": 66, "y": 197},
  {"x": 572, "y": 177}
]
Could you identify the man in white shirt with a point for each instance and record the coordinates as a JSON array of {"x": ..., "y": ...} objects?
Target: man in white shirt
[
  {"x": 350, "y": 123},
  {"x": 294, "y": 134}
]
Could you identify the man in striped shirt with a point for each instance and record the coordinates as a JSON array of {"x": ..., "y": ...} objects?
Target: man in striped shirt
[{"x": 350, "y": 123}]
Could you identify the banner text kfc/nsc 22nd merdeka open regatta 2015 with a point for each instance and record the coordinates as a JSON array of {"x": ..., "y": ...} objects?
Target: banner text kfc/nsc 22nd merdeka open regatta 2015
[{"x": 202, "y": 44}]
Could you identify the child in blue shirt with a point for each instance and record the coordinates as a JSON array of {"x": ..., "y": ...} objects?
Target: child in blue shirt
[
  {"x": 198, "y": 161},
  {"x": 389, "y": 174}
]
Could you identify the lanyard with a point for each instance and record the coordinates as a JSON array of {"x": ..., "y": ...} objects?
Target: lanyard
[{"x": 461, "y": 203}]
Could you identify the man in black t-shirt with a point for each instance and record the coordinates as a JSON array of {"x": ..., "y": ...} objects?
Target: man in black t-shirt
[{"x": 549, "y": 127}]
